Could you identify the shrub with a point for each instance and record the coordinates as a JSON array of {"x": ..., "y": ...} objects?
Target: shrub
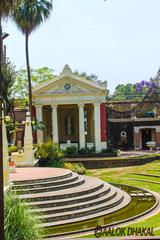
[
  {"x": 49, "y": 154},
  {"x": 86, "y": 150},
  {"x": 83, "y": 150},
  {"x": 20, "y": 224},
  {"x": 75, "y": 167},
  {"x": 11, "y": 149},
  {"x": 71, "y": 150}
]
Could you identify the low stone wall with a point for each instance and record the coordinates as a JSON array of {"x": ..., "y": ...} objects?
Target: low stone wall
[
  {"x": 91, "y": 155},
  {"x": 98, "y": 163}
]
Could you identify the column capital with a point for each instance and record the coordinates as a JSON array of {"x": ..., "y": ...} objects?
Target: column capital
[
  {"x": 38, "y": 106},
  {"x": 96, "y": 104},
  {"x": 80, "y": 105},
  {"x": 54, "y": 105}
]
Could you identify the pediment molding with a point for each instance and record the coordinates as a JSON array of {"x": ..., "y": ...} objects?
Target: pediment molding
[{"x": 68, "y": 85}]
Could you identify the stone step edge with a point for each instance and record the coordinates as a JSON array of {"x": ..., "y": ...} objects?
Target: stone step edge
[
  {"x": 84, "y": 218},
  {"x": 76, "y": 205},
  {"x": 79, "y": 182},
  {"x": 44, "y": 179},
  {"x": 118, "y": 197},
  {"x": 106, "y": 190},
  {"x": 74, "y": 176},
  {"x": 89, "y": 188}
]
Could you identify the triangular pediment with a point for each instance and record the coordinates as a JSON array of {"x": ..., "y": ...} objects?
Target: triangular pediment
[{"x": 71, "y": 84}]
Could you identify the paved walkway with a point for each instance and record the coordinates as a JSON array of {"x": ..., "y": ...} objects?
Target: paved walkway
[{"x": 139, "y": 152}]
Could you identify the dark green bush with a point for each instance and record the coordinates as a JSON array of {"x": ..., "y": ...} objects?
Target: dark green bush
[
  {"x": 71, "y": 150},
  {"x": 86, "y": 150}
]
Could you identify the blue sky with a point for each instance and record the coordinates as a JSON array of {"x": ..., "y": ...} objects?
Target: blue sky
[{"x": 119, "y": 40}]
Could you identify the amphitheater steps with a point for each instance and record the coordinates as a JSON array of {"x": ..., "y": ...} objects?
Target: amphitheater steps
[
  {"x": 79, "y": 205},
  {"x": 69, "y": 198},
  {"x": 90, "y": 185},
  {"x": 93, "y": 215},
  {"x": 32, "y": 185},
  {"x": 51, "y": 188},
  {"x": 72, "y": 200}
]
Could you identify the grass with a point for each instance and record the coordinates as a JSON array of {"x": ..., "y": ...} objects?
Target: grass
[
  {"x": 123, "y": 175},
  {"x": 20, "y": 224}
]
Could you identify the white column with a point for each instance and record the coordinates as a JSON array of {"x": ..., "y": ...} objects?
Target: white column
[
  {"x": 97, "y": 125},
  {"x": 55, "y": 124},
  {"x": 81, "y": 126},
  {"x": 39, "y": 118}
]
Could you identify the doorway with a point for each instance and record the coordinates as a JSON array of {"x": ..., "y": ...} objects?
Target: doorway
[{"x": 146, "y": 137}]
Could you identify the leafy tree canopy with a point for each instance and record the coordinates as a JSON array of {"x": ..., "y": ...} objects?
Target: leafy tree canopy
[
  {"x": 91, "y": 76},
  {"x": 128, "y": 92},
  {"x": 40, "y": 75},
  {"x": 8, "y": 75}
]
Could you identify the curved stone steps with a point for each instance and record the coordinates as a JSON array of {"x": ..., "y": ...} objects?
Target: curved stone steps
[
  {"x": 76, "y": 183},
  {"x": 90, "y": 185},
  {"x": 63, "y": 175},
  {"x": 74, "y": 176},
  {"x": 71, "y": 207},
  {"x": 72, "y": 200},
  {"x": 52, "y": 217},
  {"x": 92, "y": 215}
]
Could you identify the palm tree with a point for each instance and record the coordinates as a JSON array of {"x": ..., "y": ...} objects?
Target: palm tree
[{"x": 28, "y": 15}]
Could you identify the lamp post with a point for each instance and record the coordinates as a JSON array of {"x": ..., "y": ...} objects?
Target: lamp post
[{"x": 2, "y": 107}]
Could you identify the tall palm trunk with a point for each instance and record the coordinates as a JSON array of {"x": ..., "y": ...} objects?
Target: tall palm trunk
[
  {"x": 1, "y": 144},
  {"x": 29, "y": 74}
]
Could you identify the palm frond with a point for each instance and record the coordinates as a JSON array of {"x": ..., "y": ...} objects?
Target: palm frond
[{"x": 28, "y": 15}]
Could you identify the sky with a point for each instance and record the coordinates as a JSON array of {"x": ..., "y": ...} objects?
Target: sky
[{"x": 118, "y": 40}]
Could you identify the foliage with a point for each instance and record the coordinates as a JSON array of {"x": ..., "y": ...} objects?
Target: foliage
[
  {"x": 20, "y": 224},
  {"x": 40, "y": 75},
  {"x": 127, "y": 92},
  {"x": 49, "y": 154},
  {"x": 5, "y": 7},
  {"x": 71, "y": 150},
  {"x": 86, "y": 150},
  {"x": 28, "y": 15},
  {"x": 92, "y": 76},
  {"x": 9, "y": 76},
  {"x": 12, "y": 148},
  {"x": 38, "y": 125},
  {"x": 75, "y": 167}
]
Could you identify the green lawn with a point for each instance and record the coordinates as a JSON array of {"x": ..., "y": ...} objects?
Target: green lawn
[{"x": 123, "y": 176}]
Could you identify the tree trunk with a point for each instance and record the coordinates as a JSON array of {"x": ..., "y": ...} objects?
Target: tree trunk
[
  {"x": 29, "y": 75},
  {"x": 1, "y": 144}
]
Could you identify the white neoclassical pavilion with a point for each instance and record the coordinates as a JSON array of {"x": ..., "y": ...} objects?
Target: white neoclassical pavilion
[{"x": 73, "y": 110}]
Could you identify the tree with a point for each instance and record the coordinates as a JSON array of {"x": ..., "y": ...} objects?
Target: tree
[
  {"x": 91, "y": 76},
  {"x": 9, "y": 75},
  {"x": 28, "y": 15},
  {"x": 127, "y": 92},
  {"x": 38, "y": 76}
]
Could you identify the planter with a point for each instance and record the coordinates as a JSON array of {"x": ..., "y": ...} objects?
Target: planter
[
  {"x": 12, "y": 168},
  {"x": 151, "y": 145}
]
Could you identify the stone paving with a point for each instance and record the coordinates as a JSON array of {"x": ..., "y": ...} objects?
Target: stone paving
[{"x": 28, "y": 173}]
